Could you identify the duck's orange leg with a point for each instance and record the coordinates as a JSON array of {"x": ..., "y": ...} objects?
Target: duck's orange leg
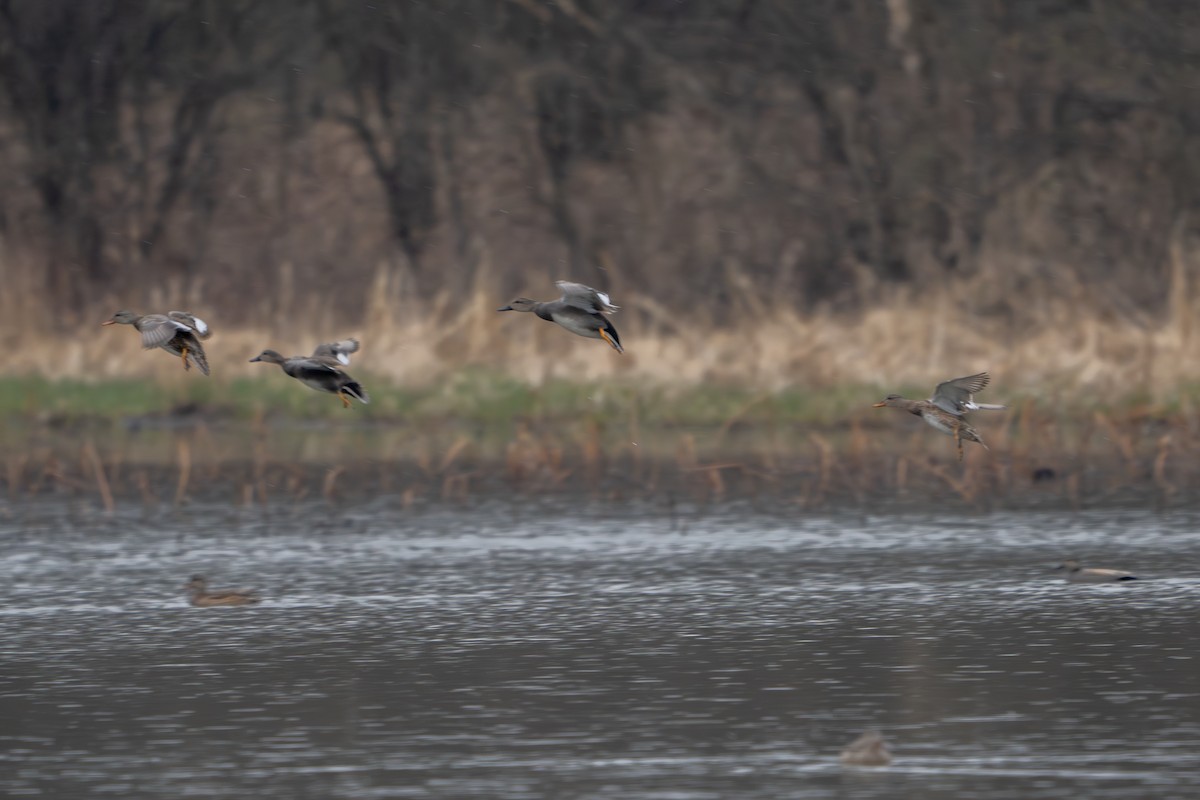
[
  {"x": 183, "y": 353},
  {"x": 345, "y": 400},
  {"x": 604, "y": 335},
  {"x": 958, "y": 442}
]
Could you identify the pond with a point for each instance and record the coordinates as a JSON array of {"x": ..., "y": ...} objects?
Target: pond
[{"x": 506, "y": 650}]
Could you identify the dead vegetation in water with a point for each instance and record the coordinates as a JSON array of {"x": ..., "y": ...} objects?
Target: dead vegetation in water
[{"x": 1103, "y": 459}]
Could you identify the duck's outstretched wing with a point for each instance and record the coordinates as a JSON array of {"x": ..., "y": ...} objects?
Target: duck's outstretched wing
[
  {"x": 585, "y": 298},
  {"x": 339, "y": 351},
  {"x": 198, "y": 326},
  {"x": 158, "y": 329},
  {"x": 957, "y": 394}
]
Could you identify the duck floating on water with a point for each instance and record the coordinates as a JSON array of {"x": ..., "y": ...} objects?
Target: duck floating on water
[
  {"x": 868, "y": 750},
  {"x": 197, "y": 587},
  {"x": 1077, "y": 574}
]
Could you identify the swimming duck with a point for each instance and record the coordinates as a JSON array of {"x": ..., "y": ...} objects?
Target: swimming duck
[
  {"x": 200, "y": 596},
  {"x": 945, "y": 410},
  {"x": 1078, "y": 574},
  {"x": 580, "y": 310},
  {"x": 868, "y": 750},
  {"x": 318, "y": 372},
  {"x": 177, "y": 332}
]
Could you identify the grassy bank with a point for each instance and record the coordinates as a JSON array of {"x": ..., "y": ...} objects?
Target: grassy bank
[
  {"x": 265, "y": 440},
  {"x": 489, "y": 397},
  {"x": 471, "y": 396}
]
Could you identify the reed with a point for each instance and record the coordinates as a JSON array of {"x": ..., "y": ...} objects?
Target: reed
[
  {"x": 184, "y": 451},
  {"x": 1159, "y": 472},
  {"x": 15, "y": 473},
  {"x": 329, "y": 487},
  {"x": 97, "y": 467},
  {"x": 464, "y": 359}
]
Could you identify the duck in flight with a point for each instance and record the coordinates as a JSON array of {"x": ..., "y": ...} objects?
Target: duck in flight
[
  {"x": 581, "y": 310},
  {"x": 340, "y": 351},
  {"x": 946, "y": 410},
  {"x": 177, "y": 332},
  {"x": 322, "y": 370}
]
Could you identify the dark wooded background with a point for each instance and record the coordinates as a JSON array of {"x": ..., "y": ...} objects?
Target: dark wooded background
[{"x": 696, "y": 153}]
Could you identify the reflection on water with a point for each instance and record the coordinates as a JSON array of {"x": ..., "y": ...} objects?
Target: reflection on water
[{"x": 500, "y": 653}]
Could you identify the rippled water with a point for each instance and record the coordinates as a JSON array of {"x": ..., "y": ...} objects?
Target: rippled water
[{"x": 507, "y": 653}]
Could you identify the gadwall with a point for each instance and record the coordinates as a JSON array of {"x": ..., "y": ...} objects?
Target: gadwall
[
  {"x": 197, "y": 587},
  {"x": 945, "y": 410},
  {"x": 1078, "y": 574},
  {"x": 321, "y": 373},
  {"x": 868, "y": 750},
  {"x": 177, "y": 332},
  {"x": 340, "y": 351},
  {"x": 580, "y": 310}
]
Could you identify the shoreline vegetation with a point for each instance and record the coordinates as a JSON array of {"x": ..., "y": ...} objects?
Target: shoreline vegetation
[
  {"x": 468, "y": 403},
  {"x": 171, "y": 439}
]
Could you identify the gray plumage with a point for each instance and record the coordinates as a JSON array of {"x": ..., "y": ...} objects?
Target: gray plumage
[
  {"x": 177, "y": 332},
  {"x": 323, "y": 374},
  {"x": 946, "y": 409},
  {"x": 957, "y": 395},
  {"x": 581, "y": 310}
]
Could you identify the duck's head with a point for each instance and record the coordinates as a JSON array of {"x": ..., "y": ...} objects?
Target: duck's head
[
  {"x": 520, "y": 304},
  {"x": 122, "y": 317},
  {"x": 890, "y": 400},
  {"x": 269, "y": 357},
  {"x": 1069, "y": 566},
  {"x": 196, "y": 584}
]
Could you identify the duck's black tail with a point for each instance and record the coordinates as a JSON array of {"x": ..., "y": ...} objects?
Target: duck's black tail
[
  {"x": 609, "y": 334},
  {"x": 355, "y": 390}
]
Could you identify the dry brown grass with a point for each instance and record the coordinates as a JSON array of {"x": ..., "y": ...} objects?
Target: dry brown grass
[{"x": 904, "y": 341}]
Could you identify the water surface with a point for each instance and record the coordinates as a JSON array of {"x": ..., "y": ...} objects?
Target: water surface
[{"x": 500, "y": 652}]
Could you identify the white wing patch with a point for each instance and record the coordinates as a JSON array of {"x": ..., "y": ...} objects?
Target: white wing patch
[
  {"x": 201, "y": 326},
  {"x": 586, "y": 298}
]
